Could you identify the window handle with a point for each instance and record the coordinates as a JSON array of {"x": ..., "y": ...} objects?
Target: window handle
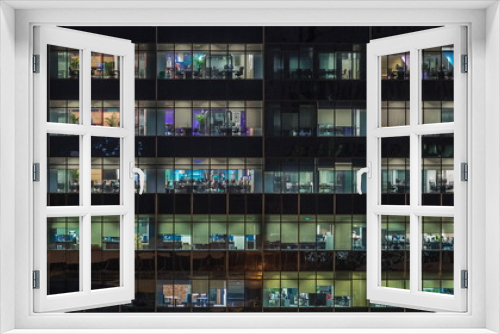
[
  {"x": 142, "y": 177},
  {"x": 360, "y": 173}
]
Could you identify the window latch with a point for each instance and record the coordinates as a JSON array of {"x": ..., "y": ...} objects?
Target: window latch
[
  {"x": 142, "y": 177},
  {"x": 359, "y": 174}
]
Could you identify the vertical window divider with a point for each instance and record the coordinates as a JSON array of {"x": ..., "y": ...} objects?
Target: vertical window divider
[{"x": 414, "y": 168}]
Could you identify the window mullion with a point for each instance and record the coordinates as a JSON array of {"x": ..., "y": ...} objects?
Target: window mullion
[
  {"x": 415, "y": 94},
  {"x": 85, "y": 167}
]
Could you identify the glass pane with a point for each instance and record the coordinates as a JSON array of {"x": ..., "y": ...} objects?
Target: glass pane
[
  {"x": 437, "y": 254},
  {"x": 395, "y": 169},
  {"x": 145, "y": 61},
  {"x": 63, "y": 170},
  {"x": 105, "y": 85},
  {"x": 64, "y": 86},
  {"x": 105, "y": 66},
  {"x": 395, "y": 92},
  {"x": 63, "y": 255},
  {"x": 105, "y": 171},
  {"x": 395, "y": 246},
  {"x": 327, "y": 65},
  {"x": 437, "y": 170},
  {"x": 437, "y": 84},
  {"x": 105, "y": 252}
]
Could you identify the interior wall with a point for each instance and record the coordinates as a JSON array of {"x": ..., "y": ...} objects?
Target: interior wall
[
  {"x": 7, "y": 156},
  {"x": 492, "y": 145}
]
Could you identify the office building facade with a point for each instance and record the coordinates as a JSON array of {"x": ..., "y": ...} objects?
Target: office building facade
[{"x": 250, "y": 138}]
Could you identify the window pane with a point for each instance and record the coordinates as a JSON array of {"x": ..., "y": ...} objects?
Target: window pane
[
  {"x": 63, "y": 255},
  {"x": 63, "y": 170},
  {"x": 105, "y": 67},
  {"x": 105, "y": 254},
  {"x": 395, "y": 169},
  {"x": 437, "y": 170},
  {"x": 395, "y": 95},
  {"x": 437, "y": 76},
  {"x": 437, "y": 255},
  {"x": 64, "y": 68},
  {"x": 105, "y": 171},
  {"x": 395, "y": 246}
]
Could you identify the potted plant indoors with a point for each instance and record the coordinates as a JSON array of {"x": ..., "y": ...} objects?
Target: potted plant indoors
[
  {"x": 109, "y": 68},
  {"x": 201, "y": 121},
  {"x": 112, "y": 121},
  {"x": 74, "y": 67}
]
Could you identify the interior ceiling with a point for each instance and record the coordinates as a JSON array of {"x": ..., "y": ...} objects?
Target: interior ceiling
[{"x": 254, "y": 4}]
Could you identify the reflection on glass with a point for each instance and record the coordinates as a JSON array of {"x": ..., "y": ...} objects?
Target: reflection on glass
[
  {"x": 395, "y": 170},
  {"x": 395, "y": 245},
  {"x": 105, "y": 253},
  {"x": 438, "y": 63},
  {"x": 437, "y": 254},
  {"x": 63, "y": 255}
]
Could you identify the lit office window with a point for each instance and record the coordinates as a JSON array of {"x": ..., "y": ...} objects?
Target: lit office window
[
  {"x": 290, "y": 62},
  {"x": 105, "y": 66},
  {"x": 64, "y": 63},
  {"x": 202, "y": 175},
  {"x": 198, "y": 118},
  {"x": 438, "y": 63},
  {"x": 145, "y": 61},
  {"x": 209, "y": 61}
]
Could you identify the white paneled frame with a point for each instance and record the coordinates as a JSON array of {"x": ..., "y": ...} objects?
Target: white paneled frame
[
  {"x": 415, "y": 43},
  {"x": 86, "y": 43}
]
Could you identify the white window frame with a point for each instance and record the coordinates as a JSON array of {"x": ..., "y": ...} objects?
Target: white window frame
[
  {"x": 483, "y": 292},
  {"x": 86, "y": 43},
  {"x": 414, "y": 43}
]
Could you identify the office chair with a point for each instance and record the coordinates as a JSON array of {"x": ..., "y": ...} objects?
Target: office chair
[{"x": 239, "y": 73}]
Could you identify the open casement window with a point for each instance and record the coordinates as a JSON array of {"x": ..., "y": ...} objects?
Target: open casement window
[
  {"x": 84, "y": 239},
  {"x": 417, "y": 143}
]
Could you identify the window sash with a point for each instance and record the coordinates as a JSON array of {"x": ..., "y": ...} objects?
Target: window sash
[
  {"x": 415, "y": 297},
  {"x": 86, "y": 297}
]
